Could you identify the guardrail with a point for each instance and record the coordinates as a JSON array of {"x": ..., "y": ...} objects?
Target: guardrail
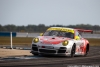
[
  {"x": 19, "y": 34},
  {"x": 8, "y": 34}
]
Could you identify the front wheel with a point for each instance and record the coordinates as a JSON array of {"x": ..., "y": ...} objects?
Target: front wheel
[
  {"x": 35, "y": 54},
  {"x": 73, "y": 50}
]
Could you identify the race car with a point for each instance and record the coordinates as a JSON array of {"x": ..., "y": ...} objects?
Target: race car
[{"x": 60, "y": 41}]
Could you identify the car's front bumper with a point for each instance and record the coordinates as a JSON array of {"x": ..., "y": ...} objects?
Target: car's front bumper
[
  {"x": 51, "y": 52},
  {"x": 56, "y": 50}
]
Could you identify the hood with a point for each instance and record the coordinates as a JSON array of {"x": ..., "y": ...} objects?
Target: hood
[{"x": 52, "y": 39}]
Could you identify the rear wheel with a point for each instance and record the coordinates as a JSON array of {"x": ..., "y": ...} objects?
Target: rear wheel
[
  {"x": 87, "y": 50},
  {"x": 73, "y": 50}
]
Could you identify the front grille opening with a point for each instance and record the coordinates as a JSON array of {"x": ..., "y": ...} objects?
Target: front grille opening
[
  {"x": 47, "y": 51},
  {"x": 63, "y": 48},
  {"x": 61, "y": 51},
  {"x": 35, "y": 48}
]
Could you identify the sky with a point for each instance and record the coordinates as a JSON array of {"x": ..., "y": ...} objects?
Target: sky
[{"x": 49, "y": 12}]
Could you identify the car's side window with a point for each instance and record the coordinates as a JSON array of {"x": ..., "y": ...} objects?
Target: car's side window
[
  {"x": 80, "y": 36},
  {"x": 77, "y": 34}
]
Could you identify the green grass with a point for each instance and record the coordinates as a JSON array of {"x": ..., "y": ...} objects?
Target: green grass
[
  {"x": 94, "y": 41},
  {"x": 16, "y": 40},
  {"x": 28, "y": 41}
]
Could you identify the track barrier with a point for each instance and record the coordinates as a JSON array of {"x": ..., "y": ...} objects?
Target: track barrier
[{"x": 9, "y": 34}]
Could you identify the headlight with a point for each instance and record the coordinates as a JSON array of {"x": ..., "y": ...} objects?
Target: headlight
[
  {"x": 35, "y": 40},
  {"x": 64, "y": 43}
]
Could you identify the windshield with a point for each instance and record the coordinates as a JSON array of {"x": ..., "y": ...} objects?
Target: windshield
[{"x": 59, "y": 33}]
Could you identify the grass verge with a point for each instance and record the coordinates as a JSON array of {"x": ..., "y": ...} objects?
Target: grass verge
[
  {"x": 94, "y": 41},
  {"x": 16, "y": 40}
]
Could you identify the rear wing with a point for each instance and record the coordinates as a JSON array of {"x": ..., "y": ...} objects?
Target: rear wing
[{"x": 84, "y": 31}]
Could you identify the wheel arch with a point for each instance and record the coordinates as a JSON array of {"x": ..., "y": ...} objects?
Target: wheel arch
[
  {"x": 88, "y": 46},
  {"x": 74, "y": 46},
  {"x": 73, "y": 50}
]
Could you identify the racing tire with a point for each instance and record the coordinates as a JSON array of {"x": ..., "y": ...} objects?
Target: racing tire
[
  {"x": 87, "y": 50},
  {"x": 73, "y": 50}
]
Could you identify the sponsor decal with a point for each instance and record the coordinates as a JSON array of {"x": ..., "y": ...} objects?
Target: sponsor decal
[{"x": 62, "y": 29}]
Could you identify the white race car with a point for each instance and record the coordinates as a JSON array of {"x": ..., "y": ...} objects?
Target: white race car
[{"x": 60, "y": 41}]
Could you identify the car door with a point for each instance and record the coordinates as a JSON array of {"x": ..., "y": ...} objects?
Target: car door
[
  {"x": 78, "y": 42},
  {"x": 78, "y": 38},
  {"x": 81, "y": 44}
]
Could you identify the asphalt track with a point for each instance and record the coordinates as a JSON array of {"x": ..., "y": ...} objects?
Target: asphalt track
[{"x": 92, "y": 60}]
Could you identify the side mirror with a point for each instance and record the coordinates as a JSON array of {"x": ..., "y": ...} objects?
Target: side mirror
[
  {"x": 41, "y": 34},
  {"x": 77, "y": 38}
]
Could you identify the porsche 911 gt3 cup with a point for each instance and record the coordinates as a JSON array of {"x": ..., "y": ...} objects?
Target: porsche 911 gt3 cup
[{"x": 60, "y": 41}]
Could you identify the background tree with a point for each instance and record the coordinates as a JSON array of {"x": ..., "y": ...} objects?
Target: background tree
[{"x": 42, "y": 27}]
